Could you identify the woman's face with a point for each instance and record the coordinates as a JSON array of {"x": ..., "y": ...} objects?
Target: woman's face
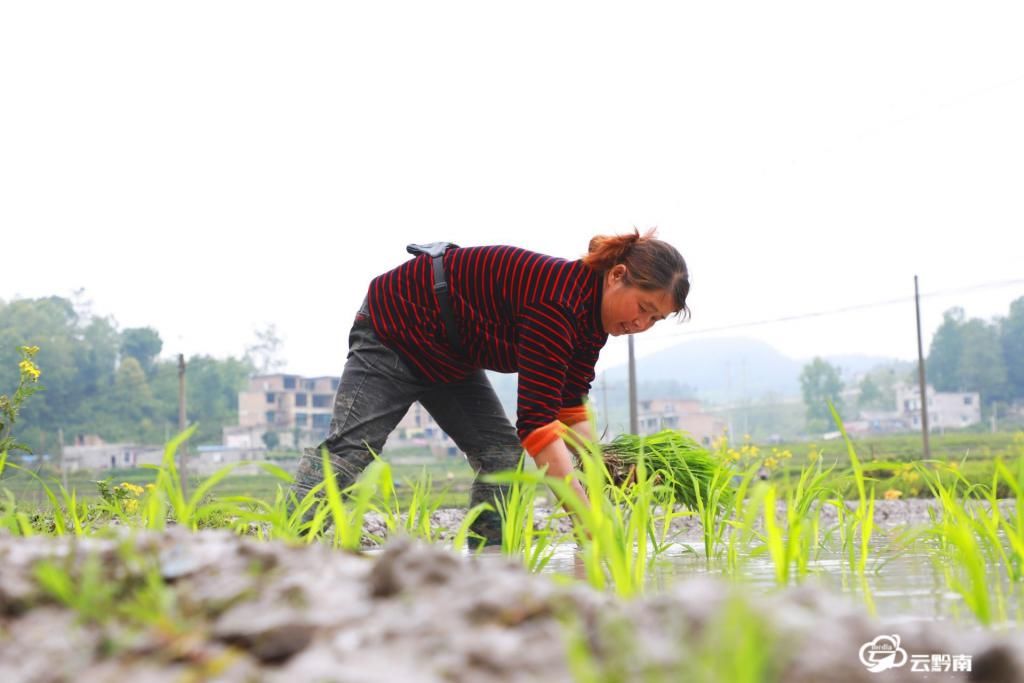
[{"x": 626, "y": 309}]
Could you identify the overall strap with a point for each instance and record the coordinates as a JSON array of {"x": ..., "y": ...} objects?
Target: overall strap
[{"x": 436, "y": 252}]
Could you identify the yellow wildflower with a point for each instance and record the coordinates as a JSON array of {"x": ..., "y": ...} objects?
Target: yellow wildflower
[
  {"x": 770, "y": 462},
  {"x": 893, "y": 494},
  {"x": 30, "y": 350},
  {"x": 131, "y": 506},
  {"x": 131, "y": 488},
  {"x": 29, "y": 369}
]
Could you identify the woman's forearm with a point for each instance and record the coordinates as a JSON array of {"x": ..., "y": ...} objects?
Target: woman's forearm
[{"x": 558, "y": 460}]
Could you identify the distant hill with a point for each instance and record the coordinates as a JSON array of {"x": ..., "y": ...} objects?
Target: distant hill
[{"x": 723, "y": 370}]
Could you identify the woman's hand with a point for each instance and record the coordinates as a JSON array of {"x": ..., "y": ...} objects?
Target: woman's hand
[{"x": 556, "y": 457}]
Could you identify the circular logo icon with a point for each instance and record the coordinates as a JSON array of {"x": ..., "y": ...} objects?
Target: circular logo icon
[{"x": 882, "y": 653}]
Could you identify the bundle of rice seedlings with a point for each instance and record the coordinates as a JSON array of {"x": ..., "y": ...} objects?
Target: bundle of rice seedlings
[{"x": 673, "y": 461}]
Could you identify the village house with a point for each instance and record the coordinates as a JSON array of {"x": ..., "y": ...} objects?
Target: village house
[
  {"x": 946, "y": 410},
  {"x": 298, "y": 410},
  {"x": 686, "y": 415}
]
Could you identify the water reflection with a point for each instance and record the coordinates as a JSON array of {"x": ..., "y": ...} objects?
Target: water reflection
[{"x": 903, "y": 582}]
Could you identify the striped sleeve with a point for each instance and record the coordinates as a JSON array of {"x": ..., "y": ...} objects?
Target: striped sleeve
[
  {"x": 545, "y": 347},
  {"x": 580, "y": 375}
]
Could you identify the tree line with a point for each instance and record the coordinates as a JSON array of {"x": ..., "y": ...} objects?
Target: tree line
[
  {"x": 986, "y": 356},
  {"x": 98, "y": 379}
]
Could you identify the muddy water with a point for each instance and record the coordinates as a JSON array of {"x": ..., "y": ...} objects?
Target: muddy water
[
  {"x": 900, "y": 585},
  {"x": 903, "y": 582}
]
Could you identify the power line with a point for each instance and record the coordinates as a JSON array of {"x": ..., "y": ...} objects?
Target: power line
[{"x": 848, "y": 309}]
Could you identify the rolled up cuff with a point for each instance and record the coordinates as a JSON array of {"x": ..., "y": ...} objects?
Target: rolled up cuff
[
  {"x": 573, "y": 415},
  {"x": 541, "y": 437}
]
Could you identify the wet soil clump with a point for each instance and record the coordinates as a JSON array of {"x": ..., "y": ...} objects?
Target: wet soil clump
[{"x": 178, "y": 606}]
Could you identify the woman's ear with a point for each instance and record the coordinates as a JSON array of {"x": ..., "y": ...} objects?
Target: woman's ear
[{"x": 619, "y": 273}]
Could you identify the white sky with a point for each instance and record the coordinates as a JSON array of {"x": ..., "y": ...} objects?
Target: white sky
[{"x": 207, "y": 168}]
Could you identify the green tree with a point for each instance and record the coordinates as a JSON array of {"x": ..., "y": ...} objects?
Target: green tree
[
  {"x": 820, "y": 383},
  {"x": 87, "y": 391},
  {"x": 982, "y": 368},
  {"x": 77, "y": 357},
  {"x": 870, "y": 394},
  {"x": 946, "y": 351},
  {"x": 1012, "y": 341},
  {"x": 144, "y": 345},
  {"x": 211, "y": 393},
  {"x": 130, "y": 409}
]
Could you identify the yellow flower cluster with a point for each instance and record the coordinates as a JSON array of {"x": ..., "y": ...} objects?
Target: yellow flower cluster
[
  {"x": 29, "y": 369},
  {"x": 131, "y": 505},
  {"x": 910, "y": 476},
  {"x": 131, "y": 488},
  {"x": 749, "y": 453},
  {"x": 893, "y": 494}
]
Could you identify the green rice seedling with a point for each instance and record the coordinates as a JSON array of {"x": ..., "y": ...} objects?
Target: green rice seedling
[
  {"x": 663, "y": 516},
  {"x": 8, "y": 517},
  {"x": 862, "y": 521},
  {"x": 187, "y": 511},
  {"x": 806, "y": 500},
  {"x": 348, "y": 519},
  {"x": 713, "y": 498},
  {"x": 746, "y": 505},
  {"x": 463, "y": 533},
  {"x": 135, "y": 594},
  {"x": 516, "y": 508},
  {"x": 972, "y": 580},
  {"x": 68, "y": 515},
  {"x": 966, "y": 548},
  {"x": 90, "y": 594},
  {"x": 285, "y": 517},
  {"x": 423, "y": 502},
  {"x": 672, "y": 458},
  {"x": 778, "y": 548},
  {"x": 1013, "y": 524},
  {"x": 738, "y": 646},
  {"x": 25, "y": 527},
  {"x": 612, "y": 529},
  {"x": 790, "y": 547}
]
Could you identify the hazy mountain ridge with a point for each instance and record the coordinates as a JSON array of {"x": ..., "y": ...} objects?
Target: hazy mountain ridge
[{"x": 723, "y": 370}]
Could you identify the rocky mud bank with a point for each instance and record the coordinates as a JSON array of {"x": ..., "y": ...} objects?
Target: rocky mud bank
[{"x": 176, "y": 606}]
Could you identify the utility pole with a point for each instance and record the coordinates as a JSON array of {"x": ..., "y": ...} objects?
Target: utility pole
[
  {"x": 634, "y": 422},
  {"x": 920, "y": 375},
  {"x": 182, "y": 449}
]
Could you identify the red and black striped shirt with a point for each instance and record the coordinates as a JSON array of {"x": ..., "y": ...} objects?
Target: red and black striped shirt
[{"x": 515, "y": 311}]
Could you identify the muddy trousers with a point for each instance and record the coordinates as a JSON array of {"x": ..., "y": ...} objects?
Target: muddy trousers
[{"x": 376, "y": 390}]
